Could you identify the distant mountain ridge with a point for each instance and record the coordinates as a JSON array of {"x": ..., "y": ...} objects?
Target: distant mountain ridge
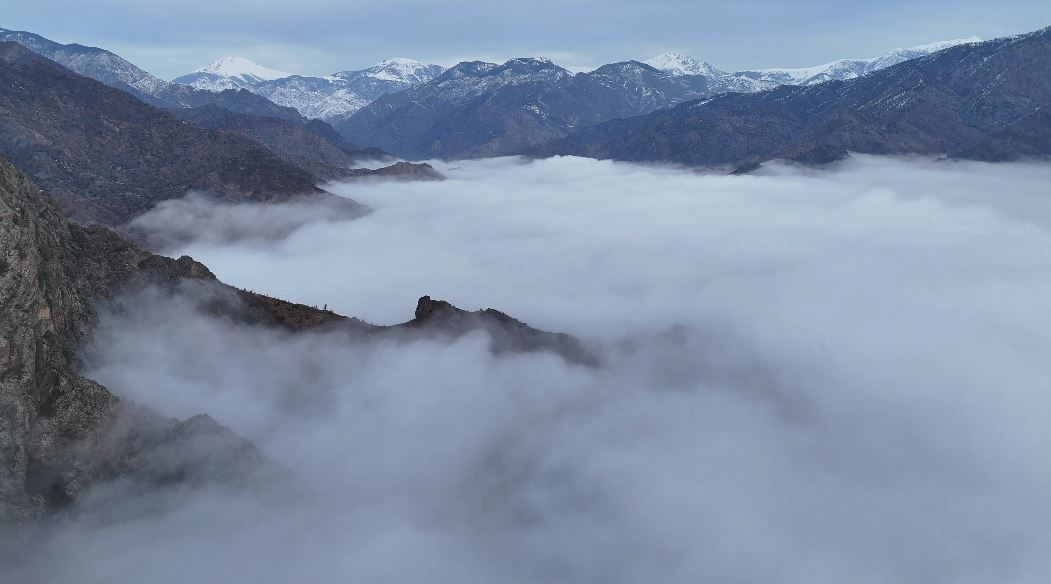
[
  {"x": 844, "y": 69},
  {"x": 336, "y": 97},
  {"x": 985, "y": 101},
  {"x": 752, "y": 80},
  {"x": 113, "y": 70},
  {"x": 249, "y": 114},
  {"x": 330, "y": 98},
  {"x": 243, "y": 86},
  {"x": 478, "y": 109},
  {"x": 107, "y": 156}
]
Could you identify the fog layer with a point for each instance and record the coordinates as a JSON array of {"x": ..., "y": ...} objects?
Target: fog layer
[{"x": 808, "y": 377}]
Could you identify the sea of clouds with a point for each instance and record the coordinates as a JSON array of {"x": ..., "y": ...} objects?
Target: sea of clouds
[{"x": 808, "y": 376}]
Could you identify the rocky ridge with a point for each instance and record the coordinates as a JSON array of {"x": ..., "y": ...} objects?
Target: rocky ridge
[{"x": 61, "y": 434}]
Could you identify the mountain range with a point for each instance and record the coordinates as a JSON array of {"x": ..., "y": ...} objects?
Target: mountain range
[
  {"x": 985, "y": 101},
  {"x": 329, "y": 98},
  {"x": 335, "y": 97},
  {"x": 86, "y": 125},
  {"x": 749, "y": 81},
  {"x": 111, "y": 69},
  {"x": 107, "y": 156},
  {"x": 478, "y": 109},
  {"x": 420, "y": 111}
]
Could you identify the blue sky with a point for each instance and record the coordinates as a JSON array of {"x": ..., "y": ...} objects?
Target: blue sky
[{"x": 323, "y": 36}]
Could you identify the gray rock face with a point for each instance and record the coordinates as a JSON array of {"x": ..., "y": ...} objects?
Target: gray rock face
[{"x": 60, "y": 432}]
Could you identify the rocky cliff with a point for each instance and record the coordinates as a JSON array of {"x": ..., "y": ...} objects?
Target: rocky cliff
[{"x": 61, "y": 433}]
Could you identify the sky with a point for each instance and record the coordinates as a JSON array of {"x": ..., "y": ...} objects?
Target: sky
[
  {"x": 318, "y": 37},
  {"x": 805, "y": 377}
]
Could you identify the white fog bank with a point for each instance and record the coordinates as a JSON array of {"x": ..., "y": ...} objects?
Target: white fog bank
[{"x": 809, "y": 377}]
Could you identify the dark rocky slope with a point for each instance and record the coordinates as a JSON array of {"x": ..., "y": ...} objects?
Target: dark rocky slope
[
  {"x": 61, "y": 433},
  {"x": 984, "y": 101},
  {"x": 321, "y": 154},
  {"x": 314, "y": 147},
  {"x": 107, "y": 157}
]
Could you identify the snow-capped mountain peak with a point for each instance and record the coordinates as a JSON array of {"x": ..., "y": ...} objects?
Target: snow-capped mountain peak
[
  {"x": 678, "y": 64},
  {"x": 230, "y": 73},
  {"x": 242, "y": 68}
]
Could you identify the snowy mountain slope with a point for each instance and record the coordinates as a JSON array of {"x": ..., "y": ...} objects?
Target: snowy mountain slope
[
  {"x": 93, "y": 62},
  {"x": 322, "y": 98}
]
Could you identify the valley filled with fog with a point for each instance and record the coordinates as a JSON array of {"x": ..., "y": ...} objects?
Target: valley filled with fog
[{"x": 805, "y": 376}]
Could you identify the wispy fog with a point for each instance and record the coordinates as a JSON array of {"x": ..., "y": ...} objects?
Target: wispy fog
[{"x": 813, "y": 377}]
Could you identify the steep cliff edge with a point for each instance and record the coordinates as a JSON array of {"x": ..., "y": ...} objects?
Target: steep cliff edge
[{"x": 61, "y": 433}]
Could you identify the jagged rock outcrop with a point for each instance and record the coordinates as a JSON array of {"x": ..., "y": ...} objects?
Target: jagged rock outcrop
[
  {"x": 61, "y": 433},
  {"x": 507, "y": 334},
  {"x": 398, "y": 171}
]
